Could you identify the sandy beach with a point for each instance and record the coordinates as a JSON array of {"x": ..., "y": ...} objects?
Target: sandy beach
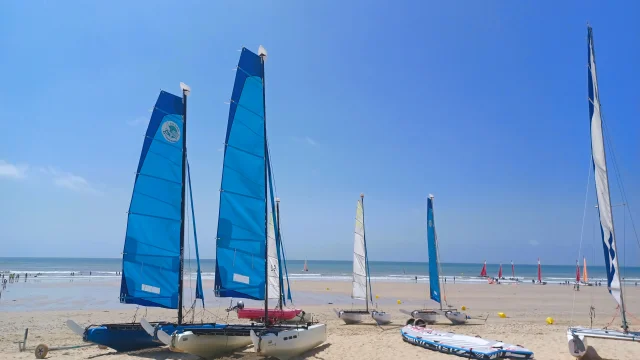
[{"x": 527, "y": 306}]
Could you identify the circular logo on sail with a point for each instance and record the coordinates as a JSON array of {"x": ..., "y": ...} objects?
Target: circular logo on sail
[{"x": 171, "y": 131}]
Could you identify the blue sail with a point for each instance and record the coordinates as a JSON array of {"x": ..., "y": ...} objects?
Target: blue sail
[
  {"x": 242, "y": 226},
  {"x": 199, "y": 293},
  {"x": 434, "y": 276},
  {"x": 151, "y": 256}
]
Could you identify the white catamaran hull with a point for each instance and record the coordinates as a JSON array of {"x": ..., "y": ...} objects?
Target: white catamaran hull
[
  {"x": 577, "y": 338},
  {"x": 381, "y": 317},
  {"x": 205, "y": 346},
  {"x": 353, "y": 317},
  {"x": 456, "y": 317},
  {"x": 289, "y": 343}
]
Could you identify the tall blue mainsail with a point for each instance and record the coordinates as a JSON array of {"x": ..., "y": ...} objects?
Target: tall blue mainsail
[
  {"x": 151, "y": 256},
  {"x": 242, "y": 227},
  {"x": 434, "y": 275}
]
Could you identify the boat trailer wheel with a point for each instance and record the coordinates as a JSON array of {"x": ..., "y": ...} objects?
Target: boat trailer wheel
[{"x": 41, "y": 351}]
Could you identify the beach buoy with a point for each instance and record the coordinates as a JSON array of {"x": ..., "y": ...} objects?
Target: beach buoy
[
  {"x": 399, "y": 302},
  {"x": 463, "y": 308},
  {"x": 327, "y": 289},
  {"x": 502, "y": 315},
  {"x": 550, "y": 320},
  {"x": 377, "y": 297}
]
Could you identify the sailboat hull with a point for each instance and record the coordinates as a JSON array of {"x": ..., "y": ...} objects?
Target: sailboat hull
[
  {"x": 284, "y": 344},
  {"x": 121, "y": 337},
  {"x": 207, "y": 345},
  {"x": 381, "y": 317},
  {"x": 351, "y": 317}
]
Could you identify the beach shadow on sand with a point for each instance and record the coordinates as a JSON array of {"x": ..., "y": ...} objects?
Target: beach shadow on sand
[{"x": 592, "y": 354}]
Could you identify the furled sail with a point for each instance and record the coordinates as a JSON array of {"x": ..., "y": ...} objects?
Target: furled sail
[
  {"x": 434, "y": 274},
  {"x": 359, "y": 257},
  {"x": 151, "y": 255},
  {"x": 602, "y": 180},
  {"x": 242, "y": 224},
  {"x": 274, "y": 268},
  {"x": 199, "y": 292}
]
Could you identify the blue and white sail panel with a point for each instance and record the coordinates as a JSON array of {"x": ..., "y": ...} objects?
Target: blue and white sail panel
[
  {"x": 199, "y": 292},
  {"x": 359, "y": 290},
  {"x": 602, "y": 179},
  {"x": 242, "y": 227},
  {"x": 151, "y": 255},
  {"x": 274, "y": 266},
  {"x": 434, "y": 274}
]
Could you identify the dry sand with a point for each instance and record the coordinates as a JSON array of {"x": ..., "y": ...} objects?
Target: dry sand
[{"x": 526, "y": 306}]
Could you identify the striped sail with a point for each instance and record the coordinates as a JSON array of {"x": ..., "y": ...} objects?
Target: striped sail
[
  {"x": 432, "y": 245},
  {"x": 151, "y": 255},
  {"x": 242, "y": 218},
  {"x": 359, "y": 257},
  {"x": 602, "y": 181}
]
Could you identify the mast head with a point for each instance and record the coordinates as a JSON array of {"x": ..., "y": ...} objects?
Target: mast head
[
  {"x": 431, "y": 196},
  {"x": 361, "y": 195},
  {"x": 262, "y": 52},
  {"x": 186, "y": 90},
  {"x": 277, "y": 200}
]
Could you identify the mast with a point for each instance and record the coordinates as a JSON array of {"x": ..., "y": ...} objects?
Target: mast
[
  {"x": 281, "y": 295},
  {"x": 366, "y": 261},
  {"x": 262, "y": 52},
  {"x": 185, "y": 92},
  {"x": 602, "y": 175}
]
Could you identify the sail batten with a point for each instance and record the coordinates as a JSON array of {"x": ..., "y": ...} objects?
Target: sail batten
[
  {"x": 151, "y": 254},
  {"x": 242, "y": 220},
  {"x": 602, "y": 183},
  {"x": 434, "y": 273}
]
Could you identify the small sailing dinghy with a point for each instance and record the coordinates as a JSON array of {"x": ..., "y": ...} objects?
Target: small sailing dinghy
[
  {"x": 540, "y": 282},
  {"x": 469, "y": 347},
  {"x": 577, "y": 336},
  {"x": 429, "y": 316},
  {"x": 305, "y": 268},
  {"x": 276, "y": 285},
  {"x": 361, "y": 289},
  {"x": 153, "y": 255},
  {"x": 483, "y": 272}
]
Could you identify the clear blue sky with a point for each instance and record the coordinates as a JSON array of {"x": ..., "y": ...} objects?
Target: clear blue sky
[{"x": 483, "y": 104}]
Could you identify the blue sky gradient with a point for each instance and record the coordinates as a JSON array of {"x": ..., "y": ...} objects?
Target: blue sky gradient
[{"x": 483, "y": 104}]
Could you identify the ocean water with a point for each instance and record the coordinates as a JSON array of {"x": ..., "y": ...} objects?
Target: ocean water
[{"x": 52, "y": 269}]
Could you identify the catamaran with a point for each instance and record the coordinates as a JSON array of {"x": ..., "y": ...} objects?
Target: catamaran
[
  {"x": 429, "y": 316},
  {"x": 305, "y": 268},
  {"x": 585, "y": 277},
  {"x": 153, "y": 255},
  {"x": 470, "y": 347},
  {"x": 540, "y": 282},
  {"x": 246, "y": 266},
  {"x": 577, "y": 336},
  {"x": 361, "y": 283}
]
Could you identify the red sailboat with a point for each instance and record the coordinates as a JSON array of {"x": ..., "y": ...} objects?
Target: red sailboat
[
  {"x": 500, "y": 272},
  {"x": 577, "y": 272},
  {"x": 483, "y": 272}
]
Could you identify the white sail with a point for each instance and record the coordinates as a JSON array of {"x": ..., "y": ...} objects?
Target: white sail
[
  {"x": 274, "y": 266},
  {"x": 602, "y": 182},
  {"x": 359, "y": 257}
]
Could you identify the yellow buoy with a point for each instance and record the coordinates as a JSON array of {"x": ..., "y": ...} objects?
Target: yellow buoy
[
  {"x": 550, "y": 320},
  {"x": 377, "y": 297},
  {"x": 327, "y": 288},
  {"x": 399, "y": 302},
  {"x": 502, "y": 315},
  {"x": 463, "y": 308}
]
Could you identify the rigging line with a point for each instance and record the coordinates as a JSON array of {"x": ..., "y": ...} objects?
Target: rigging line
[
  {"x": 584, "y": 215},
  {"x": 188, "y": 229},
  {"x": 623, "y": 192}
]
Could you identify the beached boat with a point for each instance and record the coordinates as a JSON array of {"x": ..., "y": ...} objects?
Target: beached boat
[
  {"x": 429, "y": 316},
  {"x": 361, "y": 283},
  {"x": 153, "y": 255},
  {"x": 577, "y": 336}
]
